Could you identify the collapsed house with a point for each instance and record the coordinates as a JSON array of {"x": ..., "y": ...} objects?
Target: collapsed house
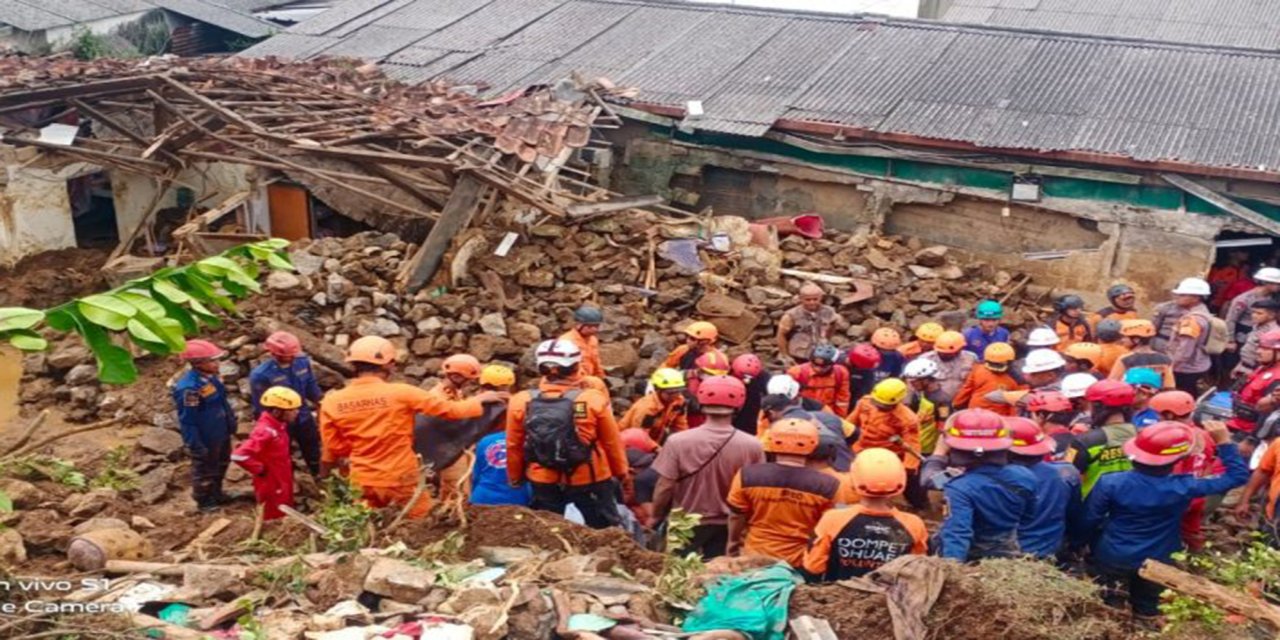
[{"x": 1080, "y": 159}]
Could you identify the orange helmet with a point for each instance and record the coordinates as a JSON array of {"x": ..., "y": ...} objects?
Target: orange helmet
[
  {"x": 702, "y": 330},
  {"x": 885, "y": 338},
  {"x": 713, "y": 363},
  {"x": 461, "y": 364},
  {"x": 795, "y": 436},
  {"x": 372, "y": 350},
  {"x": 879, "y": 472},
  {"x": 949, "y": 342},
  {"x": 1085, "y": 351},
  {"x": 1178, "y": 403},
  {"x": 1138, "y": 329},
  {"x": 998, "y": 353},
  {"x": 929, "y": 332}
]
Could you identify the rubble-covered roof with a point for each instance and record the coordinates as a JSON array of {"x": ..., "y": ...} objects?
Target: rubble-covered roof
[
  {"x": 758, "y": 69},
  {"x": 232, "y": 15},
  {"x": 1237, "y": 23}
]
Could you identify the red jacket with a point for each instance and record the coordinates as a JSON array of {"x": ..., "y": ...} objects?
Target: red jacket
[{"x": 265, "y": 455}]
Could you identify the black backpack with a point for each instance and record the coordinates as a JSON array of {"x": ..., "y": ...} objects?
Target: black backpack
[{"x": 551, "y": 435}]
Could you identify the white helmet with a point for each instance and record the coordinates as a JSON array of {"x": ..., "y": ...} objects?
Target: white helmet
[
  {"x": 1193, "y": 287},
  {"x": 783, "y": 385},
  {"x": 1076, "y": 384},
  {"x": 1042, "y": 337},
  {"x": 920, "y": 368},
  {"x": 1269, "y": 275},
  {"x": 561, "y": 353},
  {"x": 1042, "y": 360}
]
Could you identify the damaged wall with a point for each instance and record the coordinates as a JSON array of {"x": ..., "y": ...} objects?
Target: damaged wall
[
  {"x": 211, "y": 182},
  {"x": 35, "y": 208}
]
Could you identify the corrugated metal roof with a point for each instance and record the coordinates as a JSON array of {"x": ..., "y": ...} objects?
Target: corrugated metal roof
[
  {"x": 990, "y": 87},
  {"x": 219, "y": 16},
  {"x": 1237, "y": 23},
  {"x": 28, "y": 17},
  {"x": 374, "y": 42},
  {"x": 38, "y": 15}
]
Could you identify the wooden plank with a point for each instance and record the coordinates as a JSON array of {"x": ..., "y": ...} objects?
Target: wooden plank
[
  {"x": 585, "y": 209},
  {"x": 223, "y": 112},
  {"x": 92, "y": 153},
  {"x": 425, "y": 195},
  {"x": 1222, "y": 202},
  {"x": 121, "y": 129},
  {"x": 1210, "y": 592},
  {"x": 202, "y": 221},
  {"x": 453, "y": 219},
  {"x": 375, "y": 156},
  {"x": 99, "y": 87}
]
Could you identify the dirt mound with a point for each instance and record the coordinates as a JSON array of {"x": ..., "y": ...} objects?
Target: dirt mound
[{"x": 51, "y": 278}]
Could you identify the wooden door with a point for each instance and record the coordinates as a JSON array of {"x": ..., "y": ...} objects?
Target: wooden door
[{"x": 290, "y": 211}]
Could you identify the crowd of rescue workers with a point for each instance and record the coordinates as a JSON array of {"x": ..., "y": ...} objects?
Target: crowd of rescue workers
[{"x": 1097, "y": 442}]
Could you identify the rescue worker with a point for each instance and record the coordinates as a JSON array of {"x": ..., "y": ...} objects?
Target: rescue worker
[
  {"x": 699, "y": 338},
  {"x": 824, "y": 458},
  {"x": 457, "y": 373},
  {"x": 1146, "y": 384},
  {"x": 710, "y": 364},
  {"x": 989, "y": 500},
  {"x": 1070, "y": 323},
  {"x": 265, "y": 455},
  {"x": 1187, "y": 342},
  {"x": 489, "y": 484},
  {"x": 776, "y": 505},
  {"x": 1100, "y": 451},
  {"x": 925, "y": 335},
  {"x": 642, "y": 480},
  {"x": 1224, "y": 278},
  {"x": 661, "y": 412},
  {"x": 1111, "y": 342},
  {"x": 367, "y": 427},
  {"x": 1053, "y": 412},
  {"x": 586, "y": 334},
  {"x": 863, "y": 362},
  {"x": 1237, "y": 314},
  {"x": 807, "y": 325},
  {"x": 1037, "y": 339},
  {"x": 1202, "y": 461},
  {"x": 991, "y": 375},
  {"x": 886, "y": 341},
  {"x": 206, "y": 421},
  {"x": 1123, "y": 306},
  {"x": 1253, "y": 400},
  {"x": 1135, "y": 513},
  {"x": 696, "y": 468},
  {"x": 1268, "y": 474},
  {"x": 1058, "y": 498},
  {"x": 954, "y": 363},
  {"x": 887, "y": 423},
  {"x": 1139, "y": 335},
  {"x": 854, "y": 541},
  {"x": 1074, "y": 387},
  {"x": 750, "y": 370},
  {"x": 1264, "y": 314},
  {"x": 1166, "y": 316},
  {"x": 931, "y": 406},
  {"x": 988, "y": 330},
  {"x": 288, "y": 367},
  {"x": 1042, "y": 369},
  {"x": 564, "y": 440},
  {"x": 784, "y": 401},
  {"x": 823, "y": 380},
  {"x": 1083, "y": 357}
]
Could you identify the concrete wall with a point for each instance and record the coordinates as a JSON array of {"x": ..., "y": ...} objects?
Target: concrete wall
[
  {"x": 212, "y": 182},
  {"x": 35, "y": 210}
]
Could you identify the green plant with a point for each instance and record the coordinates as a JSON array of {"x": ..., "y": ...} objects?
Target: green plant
[
  {"x": 1255, "y": 570},
  {"x": 346, "y": 517},
  {"x": 155, "y": 313},
  {"x": 116, "y": 474},
  {"x": 1182, "y": 611},
  {"x": 678, "y": 581},
  {"x": 447, "y": 548},
  {"x": 61, "y": 471},
  {"x": 250, "y": 627},
  {"x": 86, "y": 45},
  {"x": 291, "y": 577}
]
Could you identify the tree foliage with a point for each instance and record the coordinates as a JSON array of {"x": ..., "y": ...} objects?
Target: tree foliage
[{"x": 154, "y": 314}]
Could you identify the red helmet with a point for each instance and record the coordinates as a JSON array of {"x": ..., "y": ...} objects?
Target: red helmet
[
  {"x": 977, "y": 430},
  {"x": 1028, "y": 438},
  {"x": 202, "y": 350},
  {"x": 1179, "y": 403},
  {"x": 713, "y": 362},
  {"x": 1047, "y": 402},
  {"x": 1111, "y": 393},
  {"x": 638, "y": 439},
  {"x": 1161, "y": 443},
  {"x": 863, "y": 356},
  {"x": 722, "y": 391},
  {"x": 283, "y": 344},
  {"x": 1269, "y": 340},
  {"x": 747, "y": 367}
]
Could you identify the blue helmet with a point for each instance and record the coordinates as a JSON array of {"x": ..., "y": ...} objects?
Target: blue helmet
[
  {"x": 1144, "y": 377},
  {"x": 989, "y": 310}
]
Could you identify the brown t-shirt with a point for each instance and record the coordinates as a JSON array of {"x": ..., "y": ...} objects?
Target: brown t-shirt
[{"x": 704, "y": 491}]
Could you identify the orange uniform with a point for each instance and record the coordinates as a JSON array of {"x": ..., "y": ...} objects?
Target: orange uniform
[
  {"x": 1111, "y": 352},
  {"x": 879, "y": 428},
  {"x": 1271, "y": 464},
  {"x": 370, "y": 423},
  {"x": 911, "y": 349},
  {"x": 657, "y": 419},
  {"x": 590, "y": 347},
  {"x": 847, "y": 494},
  {"x": 680, "y": 358},
  {"x": 831, "y": 389},
  {"x": 855, "y": 541},
  {"x": 782, "y": 505},
  {"x": 1069, "y": 334},
  {"x": 594, "y": 420},
  {"x": 981, "y": 381}
]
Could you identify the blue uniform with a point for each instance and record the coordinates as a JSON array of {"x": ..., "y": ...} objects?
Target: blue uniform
[
  {"x": 986, "y": 506},
  {"x": 977, "y": 341},
  {"x": 891, "y": 363},
  {"x": 489, "y": 474},
  {"x": 1057, "y": 509},
  {"x": 299, "y": 377},
  {"x": 1136, "y": 515},
  {"x": 207, "y": 424}
]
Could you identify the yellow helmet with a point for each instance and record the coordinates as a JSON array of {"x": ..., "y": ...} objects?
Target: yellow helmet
[
  {"x": 280, "y": 398},
  {"x": 667, "y": 379},
  {"x": 889, "y": 391},
  {"x": 929, "y": 332},
  {"x": 496, "y": 375}
]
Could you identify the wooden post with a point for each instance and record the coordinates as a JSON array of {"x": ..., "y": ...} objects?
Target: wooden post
[
  {"x": 455, "y": 217},
  {"x": 1210, "y": 592}
]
